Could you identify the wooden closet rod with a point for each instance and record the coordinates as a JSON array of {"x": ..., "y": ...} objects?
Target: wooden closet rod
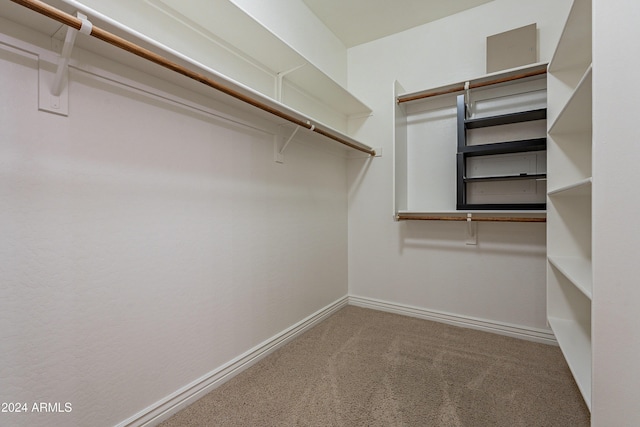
[
  {"x": 459, "y": 87},
  {"x": 112, "y": 39},
  {"x": 403, "y": 217}
]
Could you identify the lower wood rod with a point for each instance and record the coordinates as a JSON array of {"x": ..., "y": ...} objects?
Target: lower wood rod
[
  {"x": 112, "y": 39},
  {"x": 401, "y": 217}
]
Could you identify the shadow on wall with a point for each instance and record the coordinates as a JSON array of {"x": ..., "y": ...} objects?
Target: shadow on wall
[
  {"x": 356, "y": 178},
  {"x": 515, "y": 239}
]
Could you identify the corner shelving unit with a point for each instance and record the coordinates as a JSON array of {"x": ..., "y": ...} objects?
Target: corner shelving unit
[{"x": 569, "y": 201}]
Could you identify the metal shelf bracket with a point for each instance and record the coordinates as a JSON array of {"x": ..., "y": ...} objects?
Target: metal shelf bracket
[
  {"x": 278, "y": 152},
  {"x": 280, "y": 78}
]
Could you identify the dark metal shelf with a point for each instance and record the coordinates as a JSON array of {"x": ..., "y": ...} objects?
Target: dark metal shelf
[
  {"x": 506, "y": 177},
  {"x": 499, "y": 147},
  {"x": 521, "y": 146},
  {"x": 505, "y": 119}
]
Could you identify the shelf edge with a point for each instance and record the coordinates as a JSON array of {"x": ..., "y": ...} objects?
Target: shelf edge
[{"x": 586, "y": 183}]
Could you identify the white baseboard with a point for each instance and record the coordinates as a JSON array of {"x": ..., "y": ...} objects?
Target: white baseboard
[
  {"x": 545, "y": 336},
  {"x": 170, "y": 405},
  {"x": 165, "y": 408}
]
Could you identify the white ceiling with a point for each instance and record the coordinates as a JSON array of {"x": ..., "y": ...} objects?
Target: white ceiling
[{"x": 359, "y": 21}]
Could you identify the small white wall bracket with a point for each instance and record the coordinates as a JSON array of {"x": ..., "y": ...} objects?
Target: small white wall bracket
[
  {"x": 53, "y": 90},
  {"x": 472, "y": 231},
  {"x": 46, "y": 101}
]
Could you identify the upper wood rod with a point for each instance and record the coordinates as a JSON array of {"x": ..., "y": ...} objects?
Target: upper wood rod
[
  {"x": 114, "y": 40},
  {"x": 459, "y": 87},
  {"x": 403, "y": 217}
]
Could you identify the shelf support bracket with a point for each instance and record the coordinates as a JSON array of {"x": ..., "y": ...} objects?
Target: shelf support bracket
[
  {"x": 278, "y": 152},
  {"x": 56, "y": 99},
  {"x": 63, "y": 61},
  {"x": 472, "y": 231},
  {"x": 280, "y": 77}
]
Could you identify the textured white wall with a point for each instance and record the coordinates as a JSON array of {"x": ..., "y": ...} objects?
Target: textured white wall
[
  {"x": 427, "y": 264},
  {"x": 145, "y": 244}
]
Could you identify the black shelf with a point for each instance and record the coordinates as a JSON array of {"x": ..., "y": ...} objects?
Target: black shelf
[
  {"x": 506, "y": 177},
  {"x": 506, "y": 119},
  {"x": 538, "y": 144},
  {"x": 499, "y": 147}
]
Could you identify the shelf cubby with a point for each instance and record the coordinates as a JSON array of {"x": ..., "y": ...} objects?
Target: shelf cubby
[
  {"x": 574, "y": 339},
  {"x": 577, "y": 270},
  {"x": 575, "y": 114},
  {"x": 569, "y": 315},
  {"x": 569, "y": 230}
]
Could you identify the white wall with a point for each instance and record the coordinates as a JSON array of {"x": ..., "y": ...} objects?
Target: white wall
[
  {"x": 146, "y": 244},
  {"x": 427, "y": 264},
  {"x": 615, "y": 333}
]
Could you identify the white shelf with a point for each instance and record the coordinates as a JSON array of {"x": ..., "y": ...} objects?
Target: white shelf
[
  {"x": 328, "y": 91},
  {"x": 221, "y": 23},
  {"x": 577, "y": 270},
  {"x": 241, "y": 33},
  {"x": 219, "y": 37},
  {"x": 575, "y": 115},
  {"x": 575, "y": 342},
  {"x": 90, "y": 52},
  {"x": 579, "y": 188}
]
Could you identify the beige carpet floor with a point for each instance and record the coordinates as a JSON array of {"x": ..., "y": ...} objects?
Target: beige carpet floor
[{"x": 363, "y": 367}]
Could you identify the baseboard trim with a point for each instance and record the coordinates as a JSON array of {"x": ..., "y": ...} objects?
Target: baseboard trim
[
  {"x": 165, "y": 408},
  {"x": 532, "y": 334},
  {"x": 170, "y": 405}
]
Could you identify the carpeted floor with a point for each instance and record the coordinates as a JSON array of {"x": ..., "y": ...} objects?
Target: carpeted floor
[{"x": 363, "y": 367}]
